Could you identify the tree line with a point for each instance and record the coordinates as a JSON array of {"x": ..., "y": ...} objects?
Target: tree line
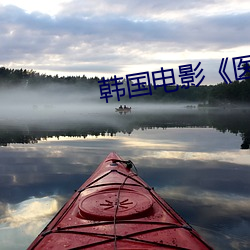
[
  {"x": 230, "y": 121},
  {"x": 211, "y": 95},
  {"x": 31, "y": 78}
]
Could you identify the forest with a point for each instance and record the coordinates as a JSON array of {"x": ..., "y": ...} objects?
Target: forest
[
  {"x": 227, "y": 96},
  {"x": 237, "y": 92}
]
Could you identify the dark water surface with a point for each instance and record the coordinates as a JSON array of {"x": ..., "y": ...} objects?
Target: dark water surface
[{"x": 197, "y": 160}]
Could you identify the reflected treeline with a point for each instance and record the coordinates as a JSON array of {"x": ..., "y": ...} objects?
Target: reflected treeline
[{"x": 233, "y": 121}]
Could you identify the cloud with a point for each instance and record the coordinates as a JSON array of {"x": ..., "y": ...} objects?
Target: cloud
[
  {"x": 106, "y": 37},
  {"x": 118, "y": 29},
  {"x": 140, "y": 10}
]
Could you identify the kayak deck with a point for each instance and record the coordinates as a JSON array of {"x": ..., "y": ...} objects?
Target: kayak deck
[{"x": 116, "y": 209}]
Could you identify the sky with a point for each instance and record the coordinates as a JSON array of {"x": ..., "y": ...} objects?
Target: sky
[{"x": 110, "y": 37}]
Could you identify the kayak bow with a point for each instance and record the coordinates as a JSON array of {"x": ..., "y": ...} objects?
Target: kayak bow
[{"x": 116, "y": 209}]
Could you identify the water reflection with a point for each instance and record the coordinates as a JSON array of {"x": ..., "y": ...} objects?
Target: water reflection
[
  {"x": 21, "y": 221},
  {"x": 31, "y": 210},
  {"x": 200, "y": 171},
  {"x": 111, "y": 123}
]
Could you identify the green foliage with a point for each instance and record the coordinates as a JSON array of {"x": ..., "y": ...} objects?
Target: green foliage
[
  {"x": 235, "y": 92},
  {"x": 31, "y": 78},
  {"x": 222, "y": 93}
]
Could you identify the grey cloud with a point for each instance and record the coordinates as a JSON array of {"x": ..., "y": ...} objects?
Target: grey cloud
[
  {"x": 141, "y": 8},
  {"x": 98, "y": 40},
  {"x": 83, "y": 68},
  {"x": 221, "y": 31},
  {"x": 204, "y": 32}
]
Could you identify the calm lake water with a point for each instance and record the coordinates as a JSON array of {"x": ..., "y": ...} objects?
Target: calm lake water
[{"x": 197, "y": 160}]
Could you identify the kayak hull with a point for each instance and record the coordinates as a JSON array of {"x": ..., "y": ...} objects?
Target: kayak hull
[{"x": 116, "y": 209}]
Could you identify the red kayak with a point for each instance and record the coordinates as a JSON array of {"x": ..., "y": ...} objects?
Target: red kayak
[{"x": 116, "y": 209}]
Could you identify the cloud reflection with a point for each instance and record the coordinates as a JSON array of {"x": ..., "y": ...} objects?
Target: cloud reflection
[
  {"x": 228, "y": 203},
  {"x": 234, "y": 156},
  {"x": 207, "y": 184},
  {"x": 225, "y": 215},
  {"x": 28, "y": 212},
  {"x": 22, "y": 222}
]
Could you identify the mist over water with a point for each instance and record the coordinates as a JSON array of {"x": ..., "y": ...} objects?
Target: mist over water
[
  {"x": 57, "y": 107},
  {"x": 51, "y": 102},
  {"x": 61, "y": 103}
]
